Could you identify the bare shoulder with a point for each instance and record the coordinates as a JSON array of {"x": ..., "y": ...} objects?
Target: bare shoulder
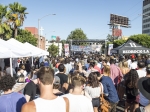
[{"x": 29, "y": 107}]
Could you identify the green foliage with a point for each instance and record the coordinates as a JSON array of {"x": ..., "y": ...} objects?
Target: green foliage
[
  {"x": 142, "y": 39},
  {"x": 16, "y": 16},
  {"x": 26, "y": 36},
  {"x": 118, "y": 43},
  {"x": 77, "y": 34},
  {"x": 53, "y": 50},
  {"x": 5, "y": 30}
]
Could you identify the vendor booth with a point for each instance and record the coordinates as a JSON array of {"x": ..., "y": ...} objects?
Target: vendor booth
[
  {"x": 130, "y": 47},
  {"x": 14, "y": 49}
]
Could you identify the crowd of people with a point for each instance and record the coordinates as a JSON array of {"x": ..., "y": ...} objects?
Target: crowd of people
[{"x": 77, "y": 84}]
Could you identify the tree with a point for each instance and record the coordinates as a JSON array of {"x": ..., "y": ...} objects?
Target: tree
[
  {"x": 110, "y": 38},
  {"x": 142, "y": 39},
  {"x": 26, "y": 36},
  {"x": 53, "y": 50},
  {"x": 5, "y": 30},
  {"x": 77, "y": 34},
  {"x": 118, "y": 42},
  {"x": 17, "y": 16}
]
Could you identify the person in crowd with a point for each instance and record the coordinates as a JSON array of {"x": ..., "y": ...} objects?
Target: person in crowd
[
  {"x": 91, "y": 69},
  {"x": 109, "y": 88},
  {"x": 10, "y": 101},
  {"x": 87, "y": 64},
  {"x": 96, "y": 67},
  {"x": 30, "y": 90},
  {"x": 22, "y": 70},
  {"x": 8, "y": 71},
  {"x": 94, "y": 90},
  {"x": 63, "y": 77},
  {"x": 124, "y": 69},
  {"x": 77, "y": 101},
  {"x": 140, "y": 71},
  {"x": 132, "y": 94},
  {"x": 56, "y": 86},
  {"x": 133, "y": 64},
  {"x": 47, "y": 102},
  {"x": 100, "y": 63},
  {"x": 27, "y": 67},
  {"x": 144, "y": 85},
  {"x": 67, "y": 66},
  {"x": 1, "y": 73},
  {"x": 30, "y": 76},
  {"x": 115, "y": 72}
]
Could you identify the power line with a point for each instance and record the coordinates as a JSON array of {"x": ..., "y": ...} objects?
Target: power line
[
  {"x": 132, "y": 7},
  {"x": 135, "y": 18},
  {"x": 134, "y": 12}
]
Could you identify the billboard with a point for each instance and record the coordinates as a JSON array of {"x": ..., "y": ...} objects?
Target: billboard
[
  {"x": 121, "y": 20},
  {"x": 117, "y": 32}
]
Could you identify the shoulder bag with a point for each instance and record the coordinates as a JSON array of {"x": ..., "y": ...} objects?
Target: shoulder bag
[{"x": 104, "y": 104}]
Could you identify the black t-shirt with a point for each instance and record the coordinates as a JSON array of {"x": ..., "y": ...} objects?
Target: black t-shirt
[
  {"x": 30, "y": 89},
  {"x": 63, "y": 78}
]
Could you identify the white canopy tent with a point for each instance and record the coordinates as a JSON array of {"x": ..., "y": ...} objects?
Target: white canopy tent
[
  {"x": 15, "y": 51},
  {"x": 42, "y": 52},
  {"x": 24, "y": 47}
]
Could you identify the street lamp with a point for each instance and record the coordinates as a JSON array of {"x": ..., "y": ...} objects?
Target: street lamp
[{"x": 39, "y": 27}]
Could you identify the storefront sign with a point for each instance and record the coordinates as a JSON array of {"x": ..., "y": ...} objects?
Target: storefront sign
[{"x": 135, "y": 51}]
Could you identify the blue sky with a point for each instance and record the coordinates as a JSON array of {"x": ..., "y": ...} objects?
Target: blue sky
[{"x": 92, "y": 16}]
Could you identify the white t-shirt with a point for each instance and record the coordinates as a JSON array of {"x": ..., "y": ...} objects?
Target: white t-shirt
[
  {"x": 133, "y": 65},
  {"x": 79, "y": 103},
  {"x": 141, "y": 73},
  {"x": 55, "y": 105}
]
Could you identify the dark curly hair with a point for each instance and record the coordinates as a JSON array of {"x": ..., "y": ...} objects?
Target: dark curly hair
[
  {"x": 7, "y": 82},
  {"x": 131, "y": 78}
]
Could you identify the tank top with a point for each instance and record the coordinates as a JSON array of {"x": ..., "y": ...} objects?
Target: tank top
[{"x": 55, "y": 105}]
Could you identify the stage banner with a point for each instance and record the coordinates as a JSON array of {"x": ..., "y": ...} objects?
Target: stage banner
[
  {"x": 66, "y": 46},
  {"x": 90, "y": 48},
  {"x": 110, "y": 46}
]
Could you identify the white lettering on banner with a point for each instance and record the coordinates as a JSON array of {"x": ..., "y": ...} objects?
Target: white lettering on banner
[
  {"x": 132, "y": 44},
  {"x": 135, "y": 51}
]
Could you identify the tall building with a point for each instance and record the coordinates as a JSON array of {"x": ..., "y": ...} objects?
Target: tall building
[
  {"x": 34, "y": 31},
  {"x": 146, "y": 17}
]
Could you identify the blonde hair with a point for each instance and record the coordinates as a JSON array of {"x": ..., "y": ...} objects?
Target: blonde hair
[
  {"x": 107, "y": 70},
  {"x": 125, "y": 64}
]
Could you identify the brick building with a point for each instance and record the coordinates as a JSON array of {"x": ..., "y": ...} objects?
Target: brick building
[{"x": 34, "y": 31}]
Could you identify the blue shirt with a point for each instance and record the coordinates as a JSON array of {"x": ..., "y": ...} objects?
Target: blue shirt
[
  {"x": 12, "y": 102},
  {"x": 109, "y": 89},
  {"x": 87, "y": 65}
]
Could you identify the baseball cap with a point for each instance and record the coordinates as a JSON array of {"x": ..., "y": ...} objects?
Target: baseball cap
[{"x": 57, "y": 80}]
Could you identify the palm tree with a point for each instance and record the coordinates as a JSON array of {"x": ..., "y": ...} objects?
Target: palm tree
[
  {"x": 5, "y": 30},
  {"x": 17, "y": 16}
]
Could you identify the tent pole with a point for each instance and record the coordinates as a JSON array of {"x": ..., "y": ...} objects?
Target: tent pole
[
  {"x": 32, "y": 60},
  {"x": 11, "y": 73}
]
